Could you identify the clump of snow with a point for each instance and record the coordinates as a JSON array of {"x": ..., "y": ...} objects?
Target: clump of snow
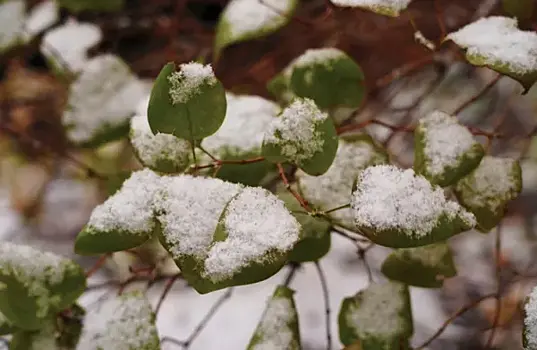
[
  {"x": 130, "y": 208},
  {"x": 446, "y": 141},
  {"x": 394, "y": 6},
  {"x": 245, "y": 17},
  {"x": 154, "y": 148},
  {"x": 391, "y": 198},
  {"x": 122, "y": 323},
  {"x": 430, "y": 255},
  {"x": 499, "y": 41},
  {"x": 11, "y": 22},
  {"x": 258, "y": 224},
  {"x": 294, "y": 131},
  {"x": 188, "y": 209},
  {"x": 274, "y": 331},
  {"x": 420, "y": 38},
  {"x": 41, "y": 17},
  {"x": 379, "y": 311},
  {"x": 530, "y": 320},
  {"x": 247, "y": 118},
  {"x": 317, "y": 56},
  {"x": 333, "y": 188},
  {"x": 187, "y": 82}
]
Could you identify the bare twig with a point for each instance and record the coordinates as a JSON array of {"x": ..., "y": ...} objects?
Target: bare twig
[
  {"x": 98, "y": 264},
  {"x": 293, "y": 267},
  {"x": 167, "y": 287},
  {"x": 295, "y": 194},
  {"x": 478, "y": 95},
  {"x": 326, "y": 298},
  {"x": 498, "y": 262}
]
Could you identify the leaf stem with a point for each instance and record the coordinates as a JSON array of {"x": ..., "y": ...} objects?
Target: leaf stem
[{"x": 295, "y": 194}]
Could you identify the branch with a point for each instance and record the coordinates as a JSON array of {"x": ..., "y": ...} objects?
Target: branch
[
  {"x": 293, "y": 267},
  {"x": 100, "y": 262},
  {"x": 167, "y": 288},
  {"x": 478, "y": 95},
  {"x": 326, "y": 298},
  {"x": 498, "y": 262},
  {"x": 302, "y": 201}
]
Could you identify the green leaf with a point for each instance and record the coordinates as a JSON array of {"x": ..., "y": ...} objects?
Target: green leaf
[
  {"x": 125, "y": 220},
  {"x": 279, "y": 86},
  {"x": 426, "y": 266},
  {"x": 278, "y": 327},
  {"x": 380, "y": 317},
  {"x": 329, "y": 77},
  {"x": 334, "y": 188},
  {"x": 77, "y": 6},
  {"x": 6, "y": 327},
  {"x": 400, "y": 209},
  {"x": 302, "y": 135},
  {"x": 45, "y": 338},
  {"x": 510, "y": 52},
  {"x": 35, "y": 285},
  {"x": 70, "y": 325},
  {"x": 247, "y": 174},
  {"x": 246, "y": 20},
  {"x": 315, "y": 231},
  {"x": 190, "y": 103},
  {"x": 382, "y": 7},
  {"x": 487, "y": 191},
  {"x": 521, "y": 9},
  {"x": 445, "y": 151}
]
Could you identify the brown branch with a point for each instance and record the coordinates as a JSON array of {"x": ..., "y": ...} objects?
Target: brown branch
[
  {"x": 167, "y": 288},
  {"x": 478, "y": 95},
  {"x": 440, "y": 19},
  {"x": 98, "y": 264},
  {"x": 326, "y": 298},
  {"x": 295, "y": 194},
  {"x": 217, "y": 163}
]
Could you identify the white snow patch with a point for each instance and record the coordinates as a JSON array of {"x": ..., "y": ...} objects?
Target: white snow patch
[
  {"x": 189, "y": 79},
  {"x": 317, "y": 56},
  {"x": 394, "y": 6},
  {"x": 530, "y": 321},
  {"x": 11, "y": 22},
  {"x": 41, "y": 17}
]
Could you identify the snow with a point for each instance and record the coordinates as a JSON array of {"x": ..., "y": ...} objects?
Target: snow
[
  {"x": 11, "y": 22},
  {"x": 258, "y": 226},
  {"x": 333, "y": 188},
  {"x": 245, "y": 17},
  {"x": 101, "y": 98},
  {"x": 500, "y": 42},
  {"x": 530, "y": 320},
  {"x": 247, "y": 118},
  {"x": 188, "y": 81},
  {"x": 122, "y": 323},
  {"x": 294, "y": 131},
  {"x": 420, "y": 38},
  {"x": 152, "y": 149},
  {"x": 130, "y": 208},
  {"x": 391, "y": 198},
  {"x": 446, "y": 141},
  {"x": 318, "y": 56},
  {"x": 41, "y": 17},
  {"x": 273, "y": 329},
  {"x": 395, "y": 6}
]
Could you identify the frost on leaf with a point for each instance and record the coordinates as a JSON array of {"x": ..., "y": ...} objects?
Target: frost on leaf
[
  {"x": 100, "y": 101},
  {"x": 302, "y": 135},
  {"x": 189, "y": 103},
  {"x": 278, "y": 327},
  {"x": 496, "y": 42},
  {"x": 334, "y": 188},
  {"x": 488, "y": 189},
  {"x": 223, "y": 234},
  {"x": 397, "y": 208},
  {"x": 380, "y": 317},
  {"x": 445, "y": 150},
  {"x": 125, "y": 220},
  {"x": 250, "y": 19},
  {"x": 241, "y": 137},
  {"x": 11, "y": 23},
  {"x": 126, "y": 322},
  {"x": 384, "y": 7},
  {"x": 36, "y": 284},
  {"x": 426, "y": 266},
  {"x": 161, "y": 152}
]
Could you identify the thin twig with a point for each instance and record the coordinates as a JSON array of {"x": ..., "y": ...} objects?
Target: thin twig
[
  {"x": 344, "y": 206},
  {"x": 326, "y": 298},
  {"x": 295, "y": 194},
  {"x": 98, "y": 264},
  {"x": 478, "y": 95},
  {"x": 440, "y": 19},
  {"x": 498, "y": 262},
  {"x": 362, "y": 255},
  {"x": 293, "y": 267},
  {"x": 167, "y": 287}
]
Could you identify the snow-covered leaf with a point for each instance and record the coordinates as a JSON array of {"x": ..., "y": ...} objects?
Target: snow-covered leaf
[
  {"x": 189, "y": 103},
  {"x": 11, "y": 23},
  {"x": 161, "y": 152},
  {"x": 383, "y": 7},
  {"x": 125, "y": 220},
  {"x": 77, "y": 6},
  {"x": 521, "y": 9},
  {"x": 302, "y": 135},
  {"x": 488, "y": 189},
  {"x": 101, "y": 101},
  {"x": 250, "y": 19},
  {"x": 425, "y": 266},
  {"x": 36, "y": 284},
  {"x": 445, "y": 151},
  {"x": 125, "y": 322},
  {"x": 496, "y": 42},
  {"x": 278, "y": 327},
  {"x": 41, "y": 17},
  {"x": 334, "y": 188},
  {"x": 380, "y": 317},
  {"x": 222, "y": 234},
  {"x": 399, "y": 209},
  {"x": 329, "y": 77}
]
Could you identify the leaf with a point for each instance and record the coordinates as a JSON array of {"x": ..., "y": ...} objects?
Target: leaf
[
  {"x": 125, "y": 220},
  {"x": 399, "y": 209},
  {"x": 445, "y": 151},
  {"x": 244, "y": 20},
  {"x": 161, "y": 152},
  {"x": 96, "y": 112},
  {"x": 124, "y": 322},
  {"x": 222, "y": 234},
  {"x": 382, "y": 7},
  {"x": 379, "y": 317},
  {"x": 70, "y": 325},
  {"x": 6, "y": 327},
  {"x": 278, "y": 327},
  {"x": 489, "y": 188},
  {"x": 315, "y": 231},
  {"x": 302, "y": 135},
  {"x": 329, "y": 77},
  {"x": 521, "y": 9},
  {"x": 45, "y": 338},
  {"x": 190, "y": 103},
  {"x": 36, "y": 284},
  {"x": 504, "y": 48},
  {"x": 77, "y": 6},
  {"x": 334, "y": 188},
  {"x": 529, "y": 331},
  {"x": 279, "y": 86},
  {"x": 426, "y": 266}
]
